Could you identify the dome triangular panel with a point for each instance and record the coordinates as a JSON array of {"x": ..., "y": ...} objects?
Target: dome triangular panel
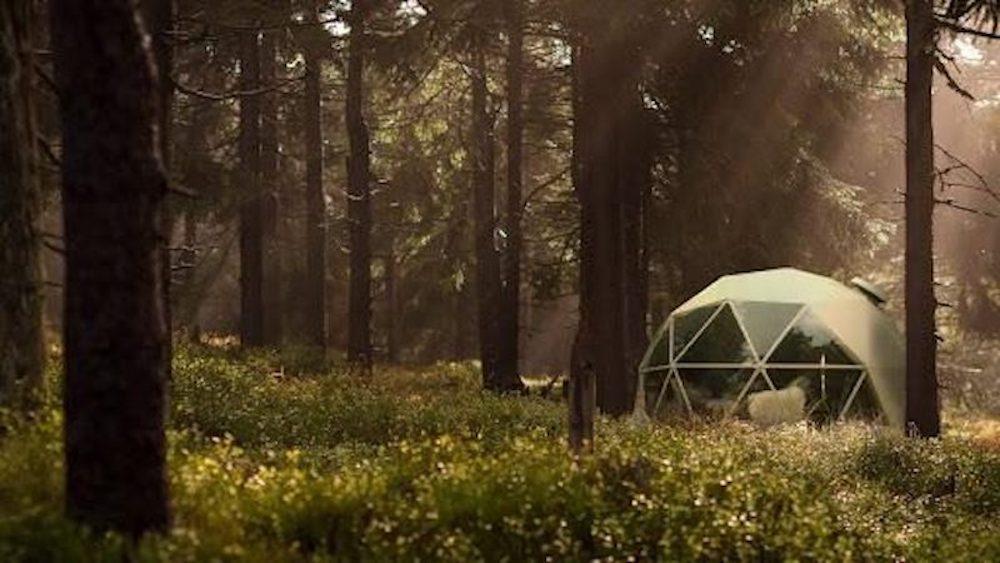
[
  {"x": 687, "y": 325},
  {"x": 722, "y": 341},
  {"x": 810, "y": 341},
  {"x": 765, "y": 322}
]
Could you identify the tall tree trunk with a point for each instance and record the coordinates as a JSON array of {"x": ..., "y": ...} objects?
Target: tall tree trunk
[
  {"x": 508, "y": 374},
  {"x": 484, "y": 195},
  {"x": 610, "y": 176},
  {"x": 635, "y": 153},
  {"x": 273, "y": 267},
  {"x": 187, "y": 295},
  {"x": 359, "y": 206},
  {"x": 113, "y": 188},
  {"x": 22, "y": 354},
  {"x": 922, "y": 410},
  {"x": 159, "y": 19},
  {"x": 315, "y": 299},
  {"x": 582, "y": 369},
  {"x": 251, "y": 210}
]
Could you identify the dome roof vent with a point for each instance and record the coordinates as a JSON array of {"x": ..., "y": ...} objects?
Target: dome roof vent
[{"x": 874, "y": 293}]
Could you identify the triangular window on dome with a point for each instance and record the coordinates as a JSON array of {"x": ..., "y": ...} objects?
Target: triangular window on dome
[
  {"x": 687, "y": 325},
  {"x": 826, "y": 391},
  {"x": 864, "y": 405},
  {"x": 765, "y": 322},
  {"x": 808, "y": 342},
  {"x": 721, "y": 342}
]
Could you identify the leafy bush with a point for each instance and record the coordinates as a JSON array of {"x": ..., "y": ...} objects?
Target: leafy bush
[{"x": 422, "y": 465}]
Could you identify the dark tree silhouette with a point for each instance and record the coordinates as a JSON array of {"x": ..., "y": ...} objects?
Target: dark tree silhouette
[
  {"x": 509, "y": 311},
  {"x": 159, "y": 17},
  {"x": 921, "y": 342},
  {"x": 484, "y": 212},
  {"x": 271, "y": 192},
  {"x": 113, "y": 188},
  {"x": 610, "y": 180},
  {"x": 923, "y": 411},
  {"x": 359, "y": 204},
  {"x": 251, "y": 210},
  {"x": 21, "y": 333},
  {"x": 315, "y": 298}
]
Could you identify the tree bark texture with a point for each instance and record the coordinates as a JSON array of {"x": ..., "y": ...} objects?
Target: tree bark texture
[
  {"x": 922, "y": 409},
  {"x": 508, "y": 373},
  {"x": 315, "y": 298},
  {"x": 113, "y": 188},
  {"x": 610, "y": 180},
  {"x": 583, "y": 377},
  {"x": 158, "y": 16},
  {"x": 271, "y": 192},
  {"x": 359, "y": 204},
  {"x": 488, "y": 291},
  {"x": 22, "y": 356},
  {"x": 252, "y": 208}
]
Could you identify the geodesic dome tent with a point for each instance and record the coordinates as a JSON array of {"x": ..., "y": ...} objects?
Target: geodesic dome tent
[{"x": 771, "y": 330}]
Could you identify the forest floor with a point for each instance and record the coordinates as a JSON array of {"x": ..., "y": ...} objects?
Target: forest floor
[{"x": 280, "y": 457}]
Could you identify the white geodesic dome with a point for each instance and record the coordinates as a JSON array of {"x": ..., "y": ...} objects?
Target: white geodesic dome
[{"x": 763, "y": 330}]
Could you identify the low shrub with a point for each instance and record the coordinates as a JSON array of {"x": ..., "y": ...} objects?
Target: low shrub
[{"x": 419, "y": 464}]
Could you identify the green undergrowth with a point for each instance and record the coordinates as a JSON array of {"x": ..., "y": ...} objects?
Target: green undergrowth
[{"x": 270, "y": 464}]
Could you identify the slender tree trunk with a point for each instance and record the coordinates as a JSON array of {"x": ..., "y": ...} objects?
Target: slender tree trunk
[
  {"x": 251, "y": 210},
  {"x": 508, "y": 374},
  {"x": 922, "y": 410},
  {"x": 315, "y": 299},
  {"x": 115, "y": 331},
  {"x": 487, "y": 260},
  {"x": 273, "y": 267},
  {"x": 392, "y": 301},
  {"x": 583, "y": 374},
  {"x": 22, "y": 356},
  {"x": 188, "y": 258},
  {"x": 187, "y": 295},
  {"x": 359, "y": 206}
]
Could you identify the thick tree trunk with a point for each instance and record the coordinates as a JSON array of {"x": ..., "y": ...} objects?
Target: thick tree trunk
[
  {"x": 22, "y": 353},
  {"x": 273, "y": 267},
  {"x": 922, "y": 410},
  {"x": 635, "y": 153},
  {"x": 315, "y": 298},
  {"x": 158, "y": 16},
  {"x": 115, "y": 331},
  {"x": 508, "y": 374},
  {"x": 487, "y": 260},
  {"x": 159, "y": 19},
  {"x": 610, "y": 179},
  {"x": 359, "y": 206},
  {"x": 251, "y": 210}
]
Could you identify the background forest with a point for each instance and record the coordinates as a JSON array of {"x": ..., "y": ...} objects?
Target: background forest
[
  {"x": 391, "y": 229},
  {"x": 778, "y": 141}
]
